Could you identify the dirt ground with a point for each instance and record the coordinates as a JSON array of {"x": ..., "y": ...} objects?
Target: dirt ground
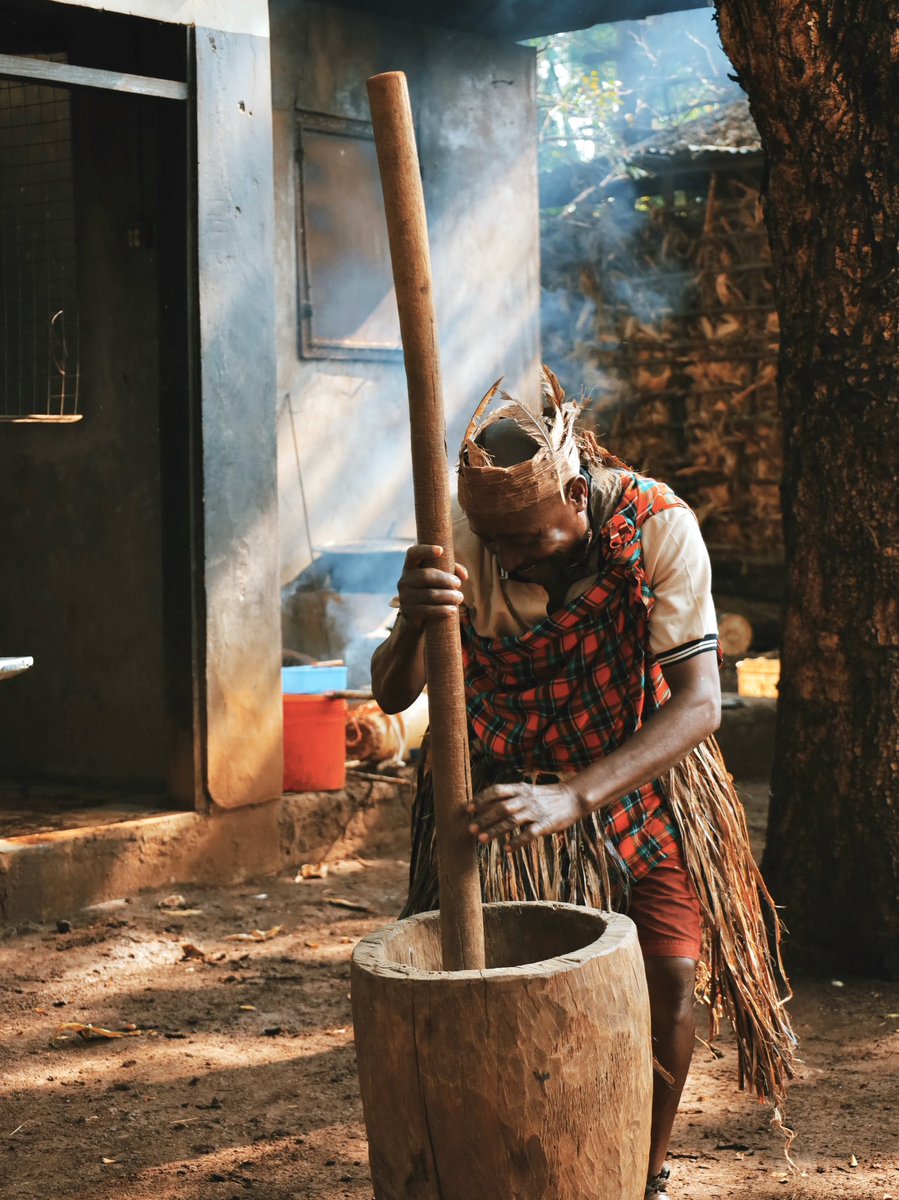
[{"x": 239, "y": 1080}]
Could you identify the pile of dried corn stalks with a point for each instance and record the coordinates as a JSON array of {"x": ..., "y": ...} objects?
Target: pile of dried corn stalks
[{"x": 679, "y": 328}]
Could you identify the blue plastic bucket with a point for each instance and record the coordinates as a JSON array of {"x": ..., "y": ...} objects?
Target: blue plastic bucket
[{"x": 312, "y": 681}]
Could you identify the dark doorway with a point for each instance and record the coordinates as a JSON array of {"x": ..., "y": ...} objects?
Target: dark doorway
[{"x": 99, "y": 538}]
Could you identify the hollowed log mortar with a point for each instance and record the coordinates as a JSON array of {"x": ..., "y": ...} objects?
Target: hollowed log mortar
[{"x": 530, "y": 1080}]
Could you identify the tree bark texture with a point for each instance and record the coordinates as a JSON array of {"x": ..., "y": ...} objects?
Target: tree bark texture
[
  {"x": 531, "y": 1080},
  {"x": 823, "y": 84}
]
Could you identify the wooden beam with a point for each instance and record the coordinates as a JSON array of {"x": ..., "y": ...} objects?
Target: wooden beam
[{"x": 38, "y": 70}]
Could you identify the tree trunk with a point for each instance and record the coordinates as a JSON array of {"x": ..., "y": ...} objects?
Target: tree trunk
[{"x": 823, "y": 85}]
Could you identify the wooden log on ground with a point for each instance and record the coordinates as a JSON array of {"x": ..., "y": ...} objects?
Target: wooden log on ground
[
  {"x": 763, "y": 617},
  {"x": 530, "y": 1080}
]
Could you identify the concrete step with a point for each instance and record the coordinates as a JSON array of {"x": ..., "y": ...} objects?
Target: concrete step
[{"x": 47, "y": 876}]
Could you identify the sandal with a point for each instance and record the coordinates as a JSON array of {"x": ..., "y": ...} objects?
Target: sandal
[{"x": 657, "y": 1186}]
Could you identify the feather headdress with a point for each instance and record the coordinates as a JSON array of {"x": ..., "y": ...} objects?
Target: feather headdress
[{"x": 486, "y": 487}]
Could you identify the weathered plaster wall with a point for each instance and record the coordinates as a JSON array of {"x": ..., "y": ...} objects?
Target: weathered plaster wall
[
  {"x": 474, "y": 110},
  {"x": 237, "y": 366}
]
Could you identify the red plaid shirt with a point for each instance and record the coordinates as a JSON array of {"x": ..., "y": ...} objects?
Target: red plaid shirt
[{"x": 580, "y": 683}]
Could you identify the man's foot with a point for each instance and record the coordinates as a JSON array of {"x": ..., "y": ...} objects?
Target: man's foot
[{"x": 657, "y": 1186}]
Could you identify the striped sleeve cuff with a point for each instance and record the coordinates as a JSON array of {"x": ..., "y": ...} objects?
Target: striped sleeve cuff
[{"x": 688, "y": 650}]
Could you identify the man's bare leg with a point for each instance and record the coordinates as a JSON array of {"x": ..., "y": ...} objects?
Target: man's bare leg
[{"x": 671, "y": 983}]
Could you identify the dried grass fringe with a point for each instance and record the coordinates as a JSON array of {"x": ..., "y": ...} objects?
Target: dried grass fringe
[
  {"x": 573, "y": 867},
  {"x": 741, "y": 974}
]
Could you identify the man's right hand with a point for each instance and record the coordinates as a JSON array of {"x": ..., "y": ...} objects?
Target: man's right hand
[
  {"x": 426, "y": 593},
  {"x": 398, "y": 670}
]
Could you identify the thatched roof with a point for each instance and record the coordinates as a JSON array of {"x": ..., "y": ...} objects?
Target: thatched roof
[{"x": 726, "y": 131}]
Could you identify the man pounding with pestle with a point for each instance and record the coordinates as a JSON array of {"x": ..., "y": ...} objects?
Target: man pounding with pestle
[{"x": 591, "y": 668}]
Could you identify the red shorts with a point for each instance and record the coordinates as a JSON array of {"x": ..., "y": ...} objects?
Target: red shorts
[{"x": 665, "y": 908}]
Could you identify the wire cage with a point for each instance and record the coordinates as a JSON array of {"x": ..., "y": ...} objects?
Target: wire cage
[{"x": 39, "y": 341}]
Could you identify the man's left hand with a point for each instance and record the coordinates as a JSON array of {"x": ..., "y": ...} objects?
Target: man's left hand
[{"x": 521, "y": 812}]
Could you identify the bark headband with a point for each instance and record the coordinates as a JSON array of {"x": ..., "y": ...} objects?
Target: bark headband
[{"x": 487, "y": 488}]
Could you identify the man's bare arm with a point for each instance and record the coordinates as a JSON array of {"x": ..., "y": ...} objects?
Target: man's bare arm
[{"x": 692, "y": 713}]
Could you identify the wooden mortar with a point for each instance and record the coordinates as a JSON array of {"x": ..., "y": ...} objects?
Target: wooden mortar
[{"x": 530, "y": 1080}]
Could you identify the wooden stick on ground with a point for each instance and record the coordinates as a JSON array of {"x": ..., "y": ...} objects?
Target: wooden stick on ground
[{"x": 462, "y": 931}]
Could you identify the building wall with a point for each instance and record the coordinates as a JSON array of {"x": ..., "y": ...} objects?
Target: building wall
[
  {"x": 240, "y": 654},
  {"x": 474, "y": 109}
]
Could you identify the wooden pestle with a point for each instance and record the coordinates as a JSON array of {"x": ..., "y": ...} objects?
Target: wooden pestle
[{"x": 462, "y": 929}]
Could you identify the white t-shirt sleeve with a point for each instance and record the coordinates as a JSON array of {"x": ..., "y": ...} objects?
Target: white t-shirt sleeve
[{"x": 682, "y": 622}]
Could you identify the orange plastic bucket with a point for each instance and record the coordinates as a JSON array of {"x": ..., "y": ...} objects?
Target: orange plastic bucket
[{"x": 314, "y": 744}]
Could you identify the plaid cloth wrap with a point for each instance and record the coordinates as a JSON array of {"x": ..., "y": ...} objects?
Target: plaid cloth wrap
[{"x": 580, "y": 683}]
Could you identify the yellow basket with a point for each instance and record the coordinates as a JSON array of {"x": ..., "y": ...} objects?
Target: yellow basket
[{"x": 758, "y": 677}]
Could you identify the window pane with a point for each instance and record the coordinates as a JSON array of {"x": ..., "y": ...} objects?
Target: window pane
[
  {"x": 38, "y": 299},
  {"x": 350, "y": 302}
]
